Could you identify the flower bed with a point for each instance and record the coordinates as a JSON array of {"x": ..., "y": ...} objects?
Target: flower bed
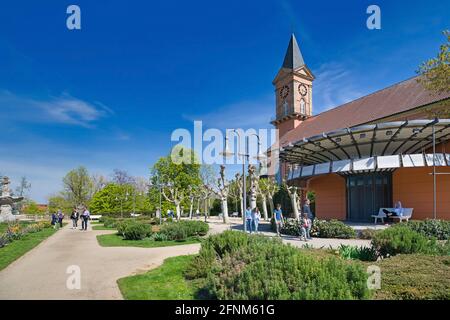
[{"x": 16, "y": 231}]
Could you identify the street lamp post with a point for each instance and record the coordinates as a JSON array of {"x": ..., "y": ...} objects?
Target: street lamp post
[
  {"x": 159, "y": 185},
  {"x": 245, "y": 156}
]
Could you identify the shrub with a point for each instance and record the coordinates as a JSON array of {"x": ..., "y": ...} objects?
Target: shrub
[
  {"x": 358, "y": 253},
  {"x": 159, "y": 237},
  {"x": 135, "y": 231},
  {"x": 439, "y": 229},
  {"x": 184, "y": 229},
  {"x": 254, "y": 267},
  {"x": 332, "y": 229},
  {"x": 109, "y": 222},
  {"x": 399, "y": 239},
  {"x": 367, "y": 234}
]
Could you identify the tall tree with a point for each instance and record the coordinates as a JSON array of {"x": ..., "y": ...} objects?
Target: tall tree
[
  {"x": 176, "y": 177},
  {"x": 435, "y": 72},
  {"x": 268, "y": 189},
  {"x": 221, "y": 190},
  {"x": 98, "y": 182},
  {"x": 23, "y": 187},
  {"x": 78, "y": 186},
  {"x": 122, "y": 177}
]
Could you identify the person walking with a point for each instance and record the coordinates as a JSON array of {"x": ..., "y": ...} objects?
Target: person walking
[
  {"x": 84, "y": 219},
  {"x": 256, "y": 216},
  {"x": 60, "y": 218},
  {"x": 249, "y": 220},
  {"x": 305, "y": 227},
  {"x": 74, "y": 217},
  {"x": 278, "y": 216},
  {"x": 307, "y": 210},
  {"x": 54, "y": 220}
]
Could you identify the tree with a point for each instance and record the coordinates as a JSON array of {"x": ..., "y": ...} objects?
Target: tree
[
  {"x": 98, "y": 182},
  {"x": 269, "y": 188},
  {"x": 32, "y": 208},
  {"x": 113, "y": 199},
  {"x": 59, "y": 202},
  {"x": 23, "y": 187},
  {"x": 78, "y": 186},
  {"x": 221, "y": 190},
  {"x": 435, "y": 73},
  {"x": 122, "y": 177},
  {"x": 176, "y": 177}
]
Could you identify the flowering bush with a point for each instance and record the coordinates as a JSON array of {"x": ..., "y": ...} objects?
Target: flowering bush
[{"x": 16, "y": 231}]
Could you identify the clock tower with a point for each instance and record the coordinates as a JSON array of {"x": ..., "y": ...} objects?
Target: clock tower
[{"x": 293, "y": 90}]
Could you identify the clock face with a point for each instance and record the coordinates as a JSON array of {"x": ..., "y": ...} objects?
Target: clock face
[
  {"x": 302, "y": 89},
  {"x": 284, "y": 92}
]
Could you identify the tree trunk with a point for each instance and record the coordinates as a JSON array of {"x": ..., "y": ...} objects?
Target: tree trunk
[
  {"x": 264, "y": 205},
  {"x": 191, "y": 209},
  {"x": 294, "y": 206},
  {"x": 225, "y": 210},
  {"x": 272, "y": 207},
  {"x": 178, "y": 210}
]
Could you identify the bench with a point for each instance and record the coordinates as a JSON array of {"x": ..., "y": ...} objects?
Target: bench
[
  {"x": 95, "y": 216},
  {"x": 406, "y": 215}
]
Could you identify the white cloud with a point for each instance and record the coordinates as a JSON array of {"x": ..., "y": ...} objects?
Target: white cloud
[
  {"x": 64, "y": 109},
  {"x": 335, "y": 84}
]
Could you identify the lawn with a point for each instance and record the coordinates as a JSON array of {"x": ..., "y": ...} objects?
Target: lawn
[
  {"x": 100, "y": 226},
  {"x": 17, "y": 248},
  {"x": 115, "y": 240},
  {"x": 163, "y": 283}
]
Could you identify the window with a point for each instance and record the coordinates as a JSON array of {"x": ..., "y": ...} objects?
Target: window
[
  {"x": 302, "y": 107},
  {"x": 286, "y": 108}
]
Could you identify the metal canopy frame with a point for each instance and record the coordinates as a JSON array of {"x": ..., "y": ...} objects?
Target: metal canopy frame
[{"x": 387, "y": 138}]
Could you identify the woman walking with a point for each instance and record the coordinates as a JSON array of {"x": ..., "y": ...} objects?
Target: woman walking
[{"x": 74, "y": 217}]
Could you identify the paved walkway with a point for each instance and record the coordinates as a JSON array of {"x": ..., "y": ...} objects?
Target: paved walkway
[
  {"x": 41, "y": 273},
  {"x": 264, "y": 227}
]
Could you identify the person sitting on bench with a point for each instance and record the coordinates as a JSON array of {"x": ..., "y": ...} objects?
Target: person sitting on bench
[{"x": 398, "y": 211}]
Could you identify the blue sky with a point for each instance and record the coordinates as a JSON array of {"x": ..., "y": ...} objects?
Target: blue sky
[{"x": 109, "y": 95}]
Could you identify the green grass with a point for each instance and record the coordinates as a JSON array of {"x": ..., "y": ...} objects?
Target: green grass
[
  {"x": 115, "y": 240},
  {"x": 163, "y": 283},
  {"x": 17, "y": 248},
  {"x": 98, "y": 226}
]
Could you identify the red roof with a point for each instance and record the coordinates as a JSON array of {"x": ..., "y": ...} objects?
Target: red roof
[{"x": 400, "y": 97}]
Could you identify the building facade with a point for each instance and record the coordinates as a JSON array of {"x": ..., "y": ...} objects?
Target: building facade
[{"x": 391, "y": 145}]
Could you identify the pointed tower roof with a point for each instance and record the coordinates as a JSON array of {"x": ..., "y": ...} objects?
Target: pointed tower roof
[{"x": 293, "y": 58}]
